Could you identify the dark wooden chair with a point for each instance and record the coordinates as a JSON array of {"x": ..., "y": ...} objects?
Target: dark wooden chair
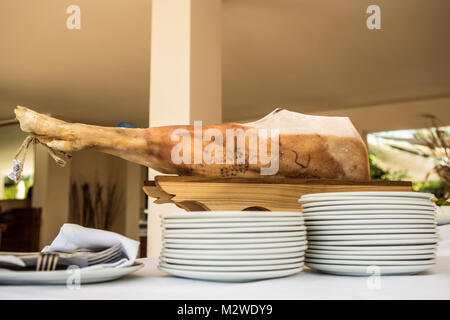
[
  {"x": 20, "y": 229},
  {"x": 143, "y": 247}
]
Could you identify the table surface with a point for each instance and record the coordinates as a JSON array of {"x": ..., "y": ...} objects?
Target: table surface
[{"x": 150, "y": 283}]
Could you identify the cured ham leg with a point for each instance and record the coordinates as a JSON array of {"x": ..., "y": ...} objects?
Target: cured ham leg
[{"x": 307, "y": 146}]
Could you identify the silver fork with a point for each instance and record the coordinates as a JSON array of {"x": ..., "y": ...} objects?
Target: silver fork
[{"x": 49, "y": 261}]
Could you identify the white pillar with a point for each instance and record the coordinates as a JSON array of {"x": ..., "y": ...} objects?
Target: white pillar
[{"x": 185, "y": 76}]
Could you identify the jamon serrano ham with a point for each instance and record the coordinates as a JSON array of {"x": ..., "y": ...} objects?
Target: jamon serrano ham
[{"x": 308, "y": 146}]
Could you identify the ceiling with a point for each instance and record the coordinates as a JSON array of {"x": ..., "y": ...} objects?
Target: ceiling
[
  {"x": 94, "y": 75},
  {"x": 319, "y": 55},
  {"x": 311, "y": 56}
]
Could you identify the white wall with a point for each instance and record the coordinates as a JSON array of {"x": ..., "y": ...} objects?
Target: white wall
[
  {"x": 90, "y": 166},
  {"x": 134, "y": 197},
  {"x": 52, "y": 189},
  {"x": 51, "y": 194}
]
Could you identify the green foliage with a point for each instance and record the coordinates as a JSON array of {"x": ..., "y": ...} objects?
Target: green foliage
[
  {"x": 441, "y": 202},
  {"x": 10, "y": 188},
  {"x": 435, "y": 187},
  {"x": 377, "y": 173},
  {"x": 10, "y": 191},
  {"x": 438, "y": 188}
]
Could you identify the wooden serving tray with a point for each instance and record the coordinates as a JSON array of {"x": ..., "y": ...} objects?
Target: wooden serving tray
[{"x": 237, "y": 194}]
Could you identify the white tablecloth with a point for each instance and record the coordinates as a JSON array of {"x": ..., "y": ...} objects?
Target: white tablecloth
[{"x": 149, "y": 283}]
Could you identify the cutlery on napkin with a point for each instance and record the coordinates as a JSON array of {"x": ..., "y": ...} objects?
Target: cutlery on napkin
[{"x": 79, "y": 246}]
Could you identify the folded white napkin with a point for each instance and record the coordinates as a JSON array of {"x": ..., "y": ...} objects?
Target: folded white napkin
[
  {"x": 73, "y": 236},
  {"x": 444, "y": 244},
  {"x": 443, "y": 215}
]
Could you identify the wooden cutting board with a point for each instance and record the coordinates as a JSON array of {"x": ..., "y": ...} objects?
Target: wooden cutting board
[{"x": 237, "y": 194}]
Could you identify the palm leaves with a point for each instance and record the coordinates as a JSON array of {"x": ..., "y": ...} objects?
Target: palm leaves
[
  {"x": 93, "y": 207},
  {"x": 438, "y": 141}
]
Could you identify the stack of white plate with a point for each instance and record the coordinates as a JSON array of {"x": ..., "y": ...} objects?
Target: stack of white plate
[
  {"x": 233, "y": 246},
  {"x": 365, "y": 233}
]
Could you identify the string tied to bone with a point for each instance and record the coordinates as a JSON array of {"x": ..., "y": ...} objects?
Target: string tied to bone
[{"x": 19, "y": 158}]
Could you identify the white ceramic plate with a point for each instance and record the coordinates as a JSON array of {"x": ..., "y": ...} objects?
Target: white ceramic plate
[
  {"x": 310, "y": 255},
  {"x": 345, "y": 198},
  {"x": 339, "y": 237},
  {"x": 377, "y": 212},
  {"x": 301, "y": 242},
  {"x": 181, "y": 255},
  {"x": 231, "y": 276},
  {"x": 239, "y": 252},
  {"x": 406, "y": 248},
  {"x": 373, "y": 231},
  {"x": 233, "y": 241},
  {"x": 367, "y": 216},
  {"x": 373, "y": 262},
  {"x": 368, "y": 270},
  {"x": 233, "y": 230},
  {"x": 362, "y": 252},
  {"x": 370, "y": 227},
  {"x": 61, "y": 276},
  {"x": 222, "y": 225},
  {"x": 247, "y": 235},
  {"x": 238, "y": 262},
  {"x": 368, "y": 222},
  {"x": 233, "y": 268},
  {"x": 235, "y": 219},
  {"x": 275, "y": 256},
  {"x": 249, "y": 252},
  {"x": 228, "y": 214},
  {"x": 421, "y": 195},
  {"x": 442, "y": 221},
  {"x": 420, "y": 203},
  {"x": 368, "y": 207},
  {"x": 372, "y": 242}
]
